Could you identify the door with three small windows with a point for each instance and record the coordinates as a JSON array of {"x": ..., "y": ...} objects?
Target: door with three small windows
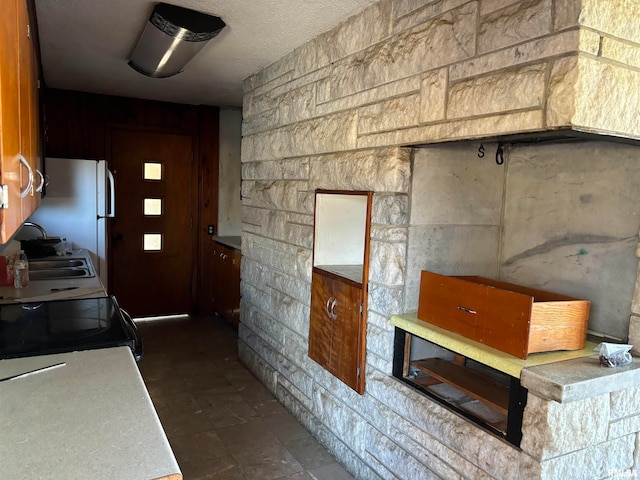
[{"x": 151, "y": 236}]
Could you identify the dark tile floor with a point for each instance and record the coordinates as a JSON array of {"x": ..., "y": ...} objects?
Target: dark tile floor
[{"x": 222, "y": 423}]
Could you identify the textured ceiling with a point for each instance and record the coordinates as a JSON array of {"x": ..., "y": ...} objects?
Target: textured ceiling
[{"x": 85, "y": 44}]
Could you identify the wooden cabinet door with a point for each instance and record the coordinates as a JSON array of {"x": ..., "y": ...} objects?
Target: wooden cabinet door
[
  {"x": 226, "y": 284},
  {"x": 19, "y": 120},
  {"x": 29, "y": 118},
  {"x": 234, "y": 283},
  {"x": 346, "y": 335},
  {"x": 220, "y": 274},
  {"x": 320, "y": 323},
  {"x": 336, "y": 331}
]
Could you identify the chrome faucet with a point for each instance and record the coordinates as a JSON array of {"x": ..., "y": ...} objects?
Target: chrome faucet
[{"x": 36, "y": 226}]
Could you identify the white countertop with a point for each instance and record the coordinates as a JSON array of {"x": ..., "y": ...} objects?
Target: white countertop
[
  {"x": 40, "y": 290},
  {"x": 89, "y": 419}
]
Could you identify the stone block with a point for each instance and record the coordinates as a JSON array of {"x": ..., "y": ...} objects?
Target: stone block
[
  {"x": 604, "y": 460},
  {"x": 518, "y": 122},
  {"x": 297, "y": 403},
  {"x": 515, "y": 24},
  {"x": 600, "y": 83},
  {"x": 625, "y": 403},
  {"x": 259, "y": 122},
  {"x": 291, "y": 169},
  {"x": 433, "y": 96},
  {"x": 382, "y": 364},
  {"x": 291, "y": 313},
  {"x": 267, "y": 97},
  {"x": 281, "y": 257},
  {"x": 406, "y": 465},
  {"x": 409, "y": 53},
  {"x": 385, "y": 300},
  {"x": 504, "y": 91},
  {"x": 389, "y": 234},
  {"x": 490, "y": 6},
  {"x": 276, "y": 194},
  {"x": 634, "y": 325},
  {"x": 409, "y": 13},
  {"x": 623, "y": 427},
  {"x": 617, "y": 19},
  {"x": 390, "y": 114},
  {"x": 322, "y": 135},
  {"x": 254, "y": 362},
  {"x": 566, "y": 14},
  {"x": 342, "y": 420},
  {"x": 387, "y": 263},
  {"x": 379, "y": 341},
  {"x": 561, "y": 99},
  {"x": 390, "y": 209},
  {"x": 357, "y": 32},
  {"x": 387, "y": 170},
  {"x": 551, "y": 429},
  {"x": 326, "y": 106},
  {"x": 295, "y": 105},
  {"x": 534, "y": 51}
]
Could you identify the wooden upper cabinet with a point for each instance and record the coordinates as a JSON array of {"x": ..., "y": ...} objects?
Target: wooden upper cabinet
[
  {"x": 339, "y": 288},
  {"x": 19, "y": 154},
  {"x": 32, "y": 179}
]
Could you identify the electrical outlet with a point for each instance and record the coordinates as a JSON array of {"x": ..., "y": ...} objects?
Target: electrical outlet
[{"x": 211, "y": 229}]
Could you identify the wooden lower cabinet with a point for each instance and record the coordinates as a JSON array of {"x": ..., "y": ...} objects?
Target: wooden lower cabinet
[
  {"x": 337, "y": 330},
  {"x": 226, "y": 286}
]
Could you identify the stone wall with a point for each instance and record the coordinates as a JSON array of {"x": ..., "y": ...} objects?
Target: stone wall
[{"x": 336, "y": 113}]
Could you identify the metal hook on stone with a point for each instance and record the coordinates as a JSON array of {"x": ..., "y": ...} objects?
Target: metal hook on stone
[{"x": 500, "y": 154}]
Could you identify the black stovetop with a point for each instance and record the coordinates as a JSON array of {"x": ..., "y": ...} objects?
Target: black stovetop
[{"x": 64, "y": 326}]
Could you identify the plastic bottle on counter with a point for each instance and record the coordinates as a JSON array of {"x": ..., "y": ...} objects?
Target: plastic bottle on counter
[{"x": 20, "y": 270}]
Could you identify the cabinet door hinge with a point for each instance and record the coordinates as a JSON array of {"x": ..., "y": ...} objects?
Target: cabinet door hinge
[
  {"x": 359, "y": 370},
  {"x": 29, "y": 32},
  {"x": 4, "y": 196},
  {"x": 361, "y": 308}
]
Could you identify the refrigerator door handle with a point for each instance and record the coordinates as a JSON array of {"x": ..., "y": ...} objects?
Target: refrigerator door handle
[{"x": 112, "y": 195}]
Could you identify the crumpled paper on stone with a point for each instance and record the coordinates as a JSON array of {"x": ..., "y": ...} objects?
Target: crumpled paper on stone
[{"x": 614, "y": 354}]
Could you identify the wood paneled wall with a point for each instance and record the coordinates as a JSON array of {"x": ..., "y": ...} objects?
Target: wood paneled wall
[{"x": 76, "y": 126}]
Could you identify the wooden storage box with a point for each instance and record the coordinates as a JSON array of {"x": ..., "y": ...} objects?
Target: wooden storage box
[{"x": 511, "y": 318}]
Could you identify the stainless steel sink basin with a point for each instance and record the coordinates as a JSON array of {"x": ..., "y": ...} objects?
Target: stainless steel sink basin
[
  {"x": 56, "y": 264},
  {"x": 52, "y": 268},
  {"x": 51, "y": 274}
]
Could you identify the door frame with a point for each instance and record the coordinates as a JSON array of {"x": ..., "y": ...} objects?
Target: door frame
[{"x": 204, "y": 201}]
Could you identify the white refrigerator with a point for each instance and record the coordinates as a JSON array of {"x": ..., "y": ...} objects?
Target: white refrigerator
[{"x": 80, "y": 196}]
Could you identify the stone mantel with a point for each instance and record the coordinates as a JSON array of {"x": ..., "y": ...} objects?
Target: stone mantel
[{"x": 579, "y": 378}]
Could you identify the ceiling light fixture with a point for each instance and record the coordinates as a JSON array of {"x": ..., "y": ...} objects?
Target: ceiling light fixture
[{"x": 172, "y": 37}]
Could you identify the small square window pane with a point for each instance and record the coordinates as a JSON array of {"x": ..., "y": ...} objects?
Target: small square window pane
[
  {"x": 152, "y": 207},
  {"x": 152, "y": 242},
  {"x": 152, "y": 171}
]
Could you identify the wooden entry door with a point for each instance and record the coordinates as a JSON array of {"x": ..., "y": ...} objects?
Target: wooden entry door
[{"x": 151, "y": 235}]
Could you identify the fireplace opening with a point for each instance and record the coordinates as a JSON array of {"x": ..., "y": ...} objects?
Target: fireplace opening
[{"x": 562, "y": 217}]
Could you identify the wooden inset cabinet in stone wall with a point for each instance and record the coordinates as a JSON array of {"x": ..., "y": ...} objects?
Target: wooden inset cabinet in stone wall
[
  {"x": 337, "y": 330},
  {"x": 226, "y": 290}
]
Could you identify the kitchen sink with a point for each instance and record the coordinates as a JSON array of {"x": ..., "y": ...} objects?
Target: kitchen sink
[
  {"x": 50, "y": 269},
  {"x": 59, "y": 273},
  {"x": 56, "y": 264}
]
